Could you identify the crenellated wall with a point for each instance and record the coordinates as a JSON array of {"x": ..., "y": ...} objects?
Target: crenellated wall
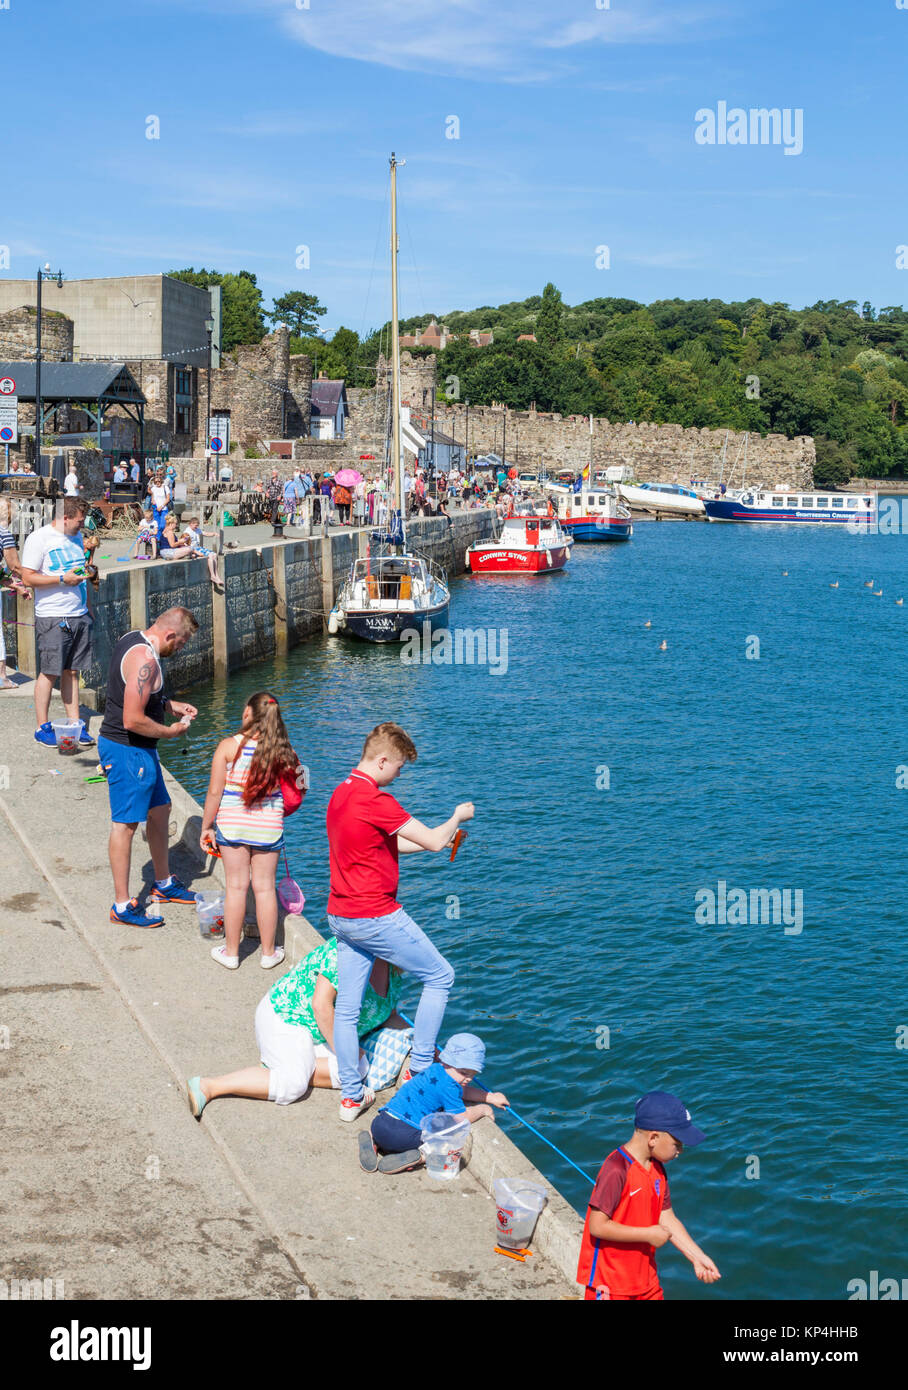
[{"x": 537, "y": 439}]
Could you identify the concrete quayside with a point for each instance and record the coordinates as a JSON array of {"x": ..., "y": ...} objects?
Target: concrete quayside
[{"x": 109, "y": 1184}]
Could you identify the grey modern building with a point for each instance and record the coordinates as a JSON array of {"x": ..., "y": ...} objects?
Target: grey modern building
[{"x": 123, "y": 318}]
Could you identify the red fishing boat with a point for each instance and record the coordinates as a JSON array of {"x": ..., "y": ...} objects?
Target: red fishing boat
[{"x": 528, "y": 544}]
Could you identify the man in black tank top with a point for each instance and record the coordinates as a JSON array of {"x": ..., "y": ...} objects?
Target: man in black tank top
[{"x": 127, "y": 743}]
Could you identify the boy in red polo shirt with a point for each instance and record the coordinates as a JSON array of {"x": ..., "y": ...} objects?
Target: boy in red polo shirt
[
  {"x": 630, "y": 1211},
  {"x": 367, "y": 830}
]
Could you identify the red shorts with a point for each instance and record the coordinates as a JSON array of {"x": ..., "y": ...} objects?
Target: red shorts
[{"x": 603, "y": 1295}]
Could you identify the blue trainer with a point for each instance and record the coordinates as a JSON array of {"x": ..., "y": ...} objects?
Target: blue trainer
[
  {"x": 85, "y": 738},
  {"x": 46, "y": 735},
  {"x": 133, "y": 916},
  {"x": 175, "y": 892}
]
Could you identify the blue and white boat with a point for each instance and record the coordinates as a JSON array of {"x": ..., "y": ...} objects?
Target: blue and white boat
[
  {"x": 800, "y": 508},
  {"x": 592, "y": 513}
]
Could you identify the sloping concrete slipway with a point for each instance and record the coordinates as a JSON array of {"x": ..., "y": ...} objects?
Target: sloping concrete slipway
[{"x": 107, "y": 1183}]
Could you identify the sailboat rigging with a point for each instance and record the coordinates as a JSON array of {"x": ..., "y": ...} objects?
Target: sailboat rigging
[{"x": 393, "y": 590}]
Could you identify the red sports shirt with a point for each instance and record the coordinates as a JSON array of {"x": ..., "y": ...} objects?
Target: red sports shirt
[
  {"x": 362, "y": 840},
  {"x": 632, "y": 1196}
]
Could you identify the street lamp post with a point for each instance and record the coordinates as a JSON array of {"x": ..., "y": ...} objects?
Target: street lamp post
[
  {"x": 45, "y": 274},
  {"x": 209, "y": 329}
]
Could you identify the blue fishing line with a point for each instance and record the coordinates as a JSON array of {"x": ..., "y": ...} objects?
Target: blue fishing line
[{"x": 511, "y": 1111}]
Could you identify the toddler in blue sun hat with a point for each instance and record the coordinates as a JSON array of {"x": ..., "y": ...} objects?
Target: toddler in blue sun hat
[{"x": 445, "y": 1086}]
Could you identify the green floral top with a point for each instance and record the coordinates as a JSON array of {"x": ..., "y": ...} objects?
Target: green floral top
[{"x": 291, "y": 997}]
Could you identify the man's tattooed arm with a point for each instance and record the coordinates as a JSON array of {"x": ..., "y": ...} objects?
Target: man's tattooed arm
[{"x": 143, "y": 680}]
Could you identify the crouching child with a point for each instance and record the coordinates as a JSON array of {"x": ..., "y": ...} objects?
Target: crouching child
[{"x": 393, "y": 1146}]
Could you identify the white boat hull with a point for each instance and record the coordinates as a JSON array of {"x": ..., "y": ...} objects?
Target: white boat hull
[{"x": 652, "y": 500}]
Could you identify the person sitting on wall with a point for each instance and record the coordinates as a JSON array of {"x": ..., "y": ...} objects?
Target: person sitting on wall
[
  {"x": 194, "y": 537},
  {"x": 147, "y": 539},
  {"x": 171, "y": 548}
]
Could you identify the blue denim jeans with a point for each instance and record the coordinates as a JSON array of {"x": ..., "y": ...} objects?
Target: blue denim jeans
[{"x": 396, "y": 938}]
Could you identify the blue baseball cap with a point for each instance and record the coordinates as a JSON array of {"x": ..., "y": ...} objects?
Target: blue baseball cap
[
  {"x": 466, "y": 1051},
  {"x": 659, "y": 1110}
]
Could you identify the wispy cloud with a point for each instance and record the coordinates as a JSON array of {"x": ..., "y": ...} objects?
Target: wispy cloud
[{"x": 506, "y": 40}]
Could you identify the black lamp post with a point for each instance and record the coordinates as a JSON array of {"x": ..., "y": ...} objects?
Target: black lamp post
[
  {"x": 209, "y": 329},
  {"x": 45, "y": 274}
]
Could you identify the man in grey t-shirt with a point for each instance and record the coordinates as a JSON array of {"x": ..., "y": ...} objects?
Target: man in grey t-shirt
[{"x": 53, "y": 565}]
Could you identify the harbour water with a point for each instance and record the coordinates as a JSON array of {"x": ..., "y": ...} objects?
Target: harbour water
[{"x": 616, "y": 784}]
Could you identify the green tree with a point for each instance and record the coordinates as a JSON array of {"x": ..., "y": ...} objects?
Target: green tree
[
  {"x": 242, "y": 318},
  {"x": 548, "y": 320},
  {"x": 301, "y": 312},
  {"x": 241, "y": 303}
]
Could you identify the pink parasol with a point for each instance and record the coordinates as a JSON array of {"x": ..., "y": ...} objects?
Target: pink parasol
[{"x": 348, "y": 477}]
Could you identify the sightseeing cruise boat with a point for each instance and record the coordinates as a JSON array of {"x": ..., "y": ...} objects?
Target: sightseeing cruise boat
[
  {"x": 662, "y": 497},
  {"x": 529, "y": 544},
  {"x": 593, "y": 513},
  {"x": 803, "y": 508}
]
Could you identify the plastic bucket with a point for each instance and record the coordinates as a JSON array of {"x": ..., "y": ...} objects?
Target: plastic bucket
[
  {"x": 210, "y": 909},
  {"x": 66, "y": 732},
  {"x": 443, "y": 1140},
  {"x": 519, "y": 1204}
]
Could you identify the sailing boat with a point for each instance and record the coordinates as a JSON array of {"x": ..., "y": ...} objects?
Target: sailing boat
[{"x": 393, "y": 590}]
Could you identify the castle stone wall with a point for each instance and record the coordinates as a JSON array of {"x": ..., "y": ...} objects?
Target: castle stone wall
[{"x": 534, "y": 440}]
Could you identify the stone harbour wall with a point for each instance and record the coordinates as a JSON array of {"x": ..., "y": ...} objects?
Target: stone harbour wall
[{"x": 276, "y": 596}]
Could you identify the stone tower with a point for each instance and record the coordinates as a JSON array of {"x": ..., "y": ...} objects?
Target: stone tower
[{"x": 18, "y": 335}]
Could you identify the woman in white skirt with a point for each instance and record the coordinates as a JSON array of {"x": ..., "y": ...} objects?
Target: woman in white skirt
[{"x": 294, "y": 1029}]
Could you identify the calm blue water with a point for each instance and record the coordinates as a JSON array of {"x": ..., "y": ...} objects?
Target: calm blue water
[{"x": 577, "y": 904}]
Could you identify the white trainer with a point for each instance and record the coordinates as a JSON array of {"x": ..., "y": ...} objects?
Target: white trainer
[
  {"x": 219, "y": 953},
  {"x": 352, "y": 1109}
]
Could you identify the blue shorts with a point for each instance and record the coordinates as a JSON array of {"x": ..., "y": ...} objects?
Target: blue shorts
[{"x": 135, "y": 781}]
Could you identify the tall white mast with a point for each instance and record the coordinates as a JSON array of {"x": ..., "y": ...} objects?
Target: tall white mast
[{"x": 395, "y": 350}]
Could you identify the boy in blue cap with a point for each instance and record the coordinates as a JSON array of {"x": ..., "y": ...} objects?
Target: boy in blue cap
[
  {"x": 630, "y": 1213},
  {"x": 393, "y": 1146}
]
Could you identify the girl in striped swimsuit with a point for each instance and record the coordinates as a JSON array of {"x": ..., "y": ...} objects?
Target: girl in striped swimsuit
[{"x": 244, "y": 818}]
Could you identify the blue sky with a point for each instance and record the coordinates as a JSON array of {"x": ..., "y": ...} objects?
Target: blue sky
[{"x": 576, "y": 130}]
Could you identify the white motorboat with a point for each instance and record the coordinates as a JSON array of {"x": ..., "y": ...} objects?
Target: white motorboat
[{"x": 662, "y": 497}]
